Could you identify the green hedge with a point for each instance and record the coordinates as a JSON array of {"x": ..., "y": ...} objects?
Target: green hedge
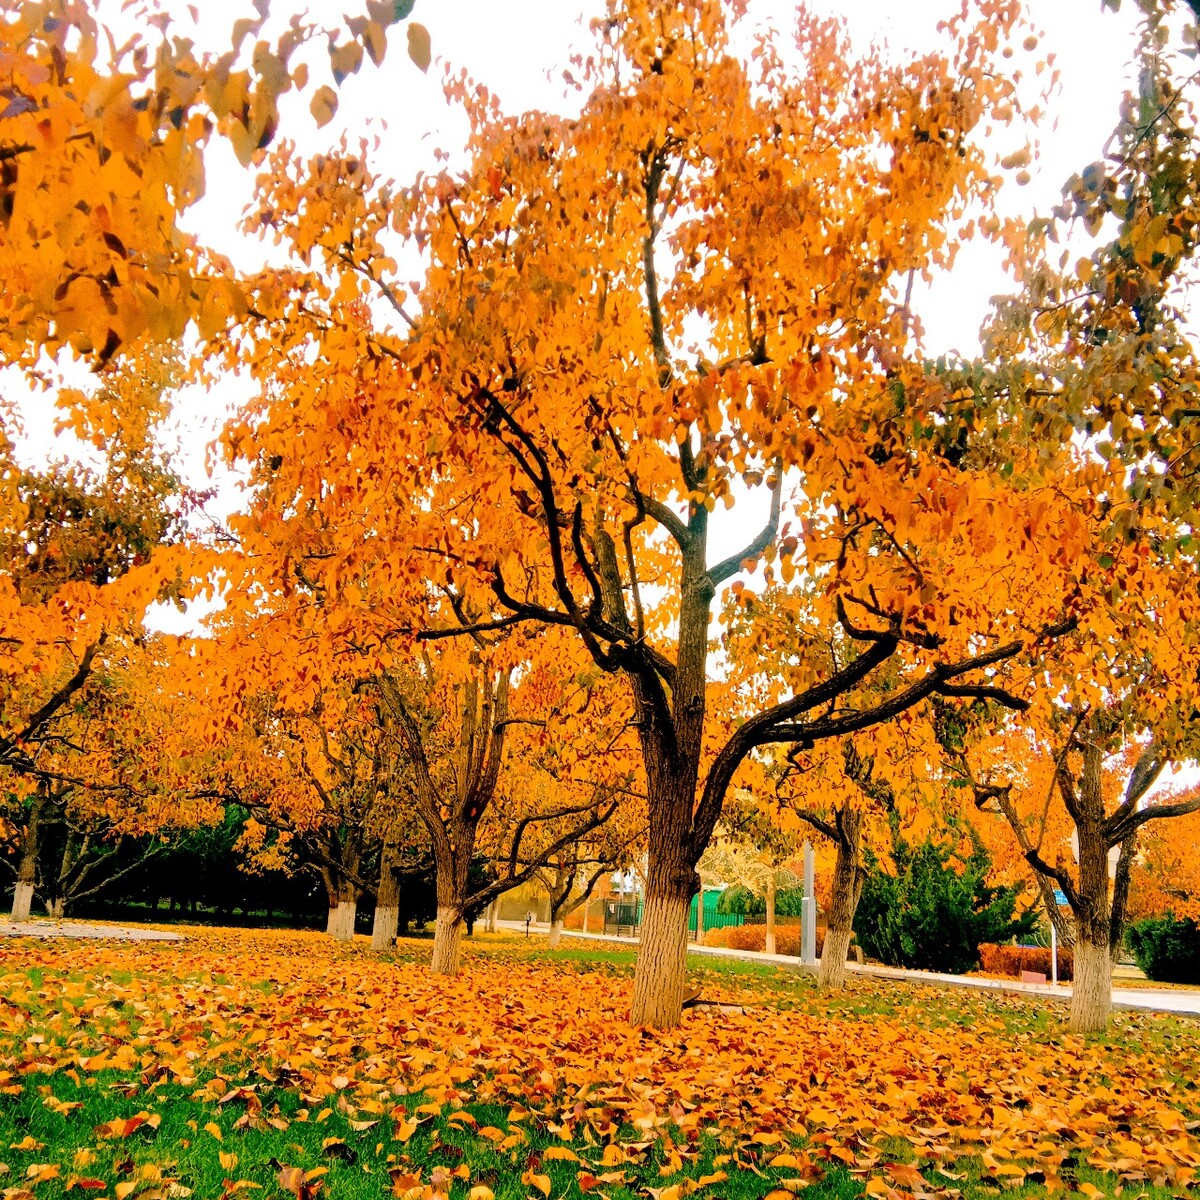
[{"x": 1168, "y": 950}]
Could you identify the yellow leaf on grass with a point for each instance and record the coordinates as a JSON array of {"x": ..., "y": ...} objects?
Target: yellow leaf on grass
[
  {"x": 213, "y": 1128},
  {"x": 561, "y": 1153},
  {"x": 541, "y": 1182},
  {"x": 481, "y": 1191}
]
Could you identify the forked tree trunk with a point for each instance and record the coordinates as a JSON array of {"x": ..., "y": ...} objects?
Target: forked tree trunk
[
  {"x": 848, "y": 881},
  {"x": 770, "y": 899},
  {"x": 387, "y": 903},
  {"x": 447, "y": 940},
  {"x": 661, "y": 970},
  {"x": 555, "y": 934},
  {"x": 57, "y": 908},
  {"x": 1091, "y": 994},
  {"x": 342, "y": 914}
]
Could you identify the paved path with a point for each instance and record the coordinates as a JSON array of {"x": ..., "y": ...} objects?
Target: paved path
[
  {"x": 77, "y": 929},
  {"x": 1180, "y": 1001}
]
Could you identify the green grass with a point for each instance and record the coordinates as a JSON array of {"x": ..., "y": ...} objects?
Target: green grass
[{"x": 178, "y": 1150}]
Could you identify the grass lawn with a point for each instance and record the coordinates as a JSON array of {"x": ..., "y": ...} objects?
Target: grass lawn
[{"x": 268, "y": 1064}]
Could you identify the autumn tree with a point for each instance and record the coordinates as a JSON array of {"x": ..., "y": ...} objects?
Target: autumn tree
[
  {"x": 1102, "y": 777},
  {"x": 541, "y": 394},
  {"x": 84, "y": 550},
  {"x": 109, "y": 785},
  {"x": 571, "y": 875},
  {"x": 749, "y": 849},
  {"x": 1098, "y": 338},
  {"x": 1165, "y": 877},
  {"x": 458, "y": 712},
  {"x": 102, "y": 152}
]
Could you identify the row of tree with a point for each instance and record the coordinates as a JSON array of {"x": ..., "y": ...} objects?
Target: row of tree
[{"x": 470, "y": 599}]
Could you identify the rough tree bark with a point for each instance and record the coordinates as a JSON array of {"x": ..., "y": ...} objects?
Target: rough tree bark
[
  {"x": 387, "y": 901},
  {"x": 343, "y": 909},
  {"x": 1095, "y": 944},
  {"x": 447, "y": 938},
  {"x": 27, "y": 869},
  {"x": 848, "y": 879}
]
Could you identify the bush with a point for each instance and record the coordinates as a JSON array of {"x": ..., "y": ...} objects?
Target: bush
[
  {"x": 934, "y": 912},
  {"x": 754, "y": 937},
  {"x": 1012, "y": 960},
  {"x": 1166, "y": 949}
]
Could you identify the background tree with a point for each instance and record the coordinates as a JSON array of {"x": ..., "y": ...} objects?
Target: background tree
[
  {"x": 458, "y": 718},
  {"x": 572, "y": 874},
  {"x": 750, "y": 850}
]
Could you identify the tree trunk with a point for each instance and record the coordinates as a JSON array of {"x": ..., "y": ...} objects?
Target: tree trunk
[
  {"x": 662, "y": 960},
  {"x": 387, "y": 903},
  {"x": 57, "y": 908},
  {"x": 27, "y": 870},
  {"x": 447, "y": 940},
  {"x": 1091, "y": 995},
  {"x": 22, "y": 900},
  {"x": 586, "y": 905},
  {"x": 770, "y": 898},
  {"x": 555, "y": 933},
  {"x": 341, "y": 916},
  {"x": 493, "y": 915},
  {"x": 847, "y": 888}
]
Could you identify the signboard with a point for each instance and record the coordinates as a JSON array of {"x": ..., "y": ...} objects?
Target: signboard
[{"x": 1060, "y": 898}]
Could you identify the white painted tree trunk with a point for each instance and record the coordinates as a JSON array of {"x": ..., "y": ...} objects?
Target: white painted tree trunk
[
  {"x": 1091, "y": 995},
  {"x": 493, "y": 916},
  {"x": 341, "y": 920},
  {"x": 387, "y": 904},
  {"x": 383, "y": 928},
  {"x": 22, "y": 900},
  {"x": 555, "y": 934},
  {"x": 661, "y": 970},
  {"x": 447, "y": 941}
]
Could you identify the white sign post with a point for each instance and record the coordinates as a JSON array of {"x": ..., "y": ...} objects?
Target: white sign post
[{"x": 808, "y": 911}]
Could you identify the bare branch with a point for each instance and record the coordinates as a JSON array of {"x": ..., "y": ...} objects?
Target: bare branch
[{"x": 733, "y": 564}]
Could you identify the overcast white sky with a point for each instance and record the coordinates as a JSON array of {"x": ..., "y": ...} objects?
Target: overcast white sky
[{"x": 518, "y": 48}]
